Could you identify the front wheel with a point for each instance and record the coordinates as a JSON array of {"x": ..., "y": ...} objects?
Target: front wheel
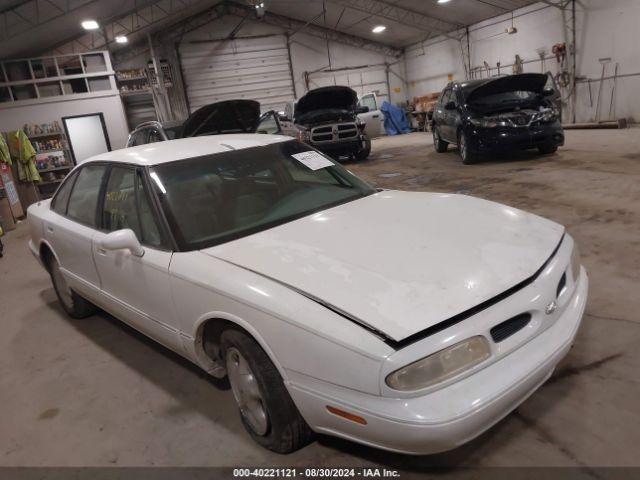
[
  {"x": 467, "y": 157},
  {"x": 364, "y": 153},
  {"x": 439, "y": 144},
  {"x": 266, "y": 409}
]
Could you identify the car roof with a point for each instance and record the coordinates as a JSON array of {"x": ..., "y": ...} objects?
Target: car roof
[
  {"x": 171, "y": 150},
  {"x": 156, "y": 123}
]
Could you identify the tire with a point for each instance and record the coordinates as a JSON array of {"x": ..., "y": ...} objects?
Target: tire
[
  {"x": 468, "y": 158},
  {"x": 548, "y": 149},
  {"x": 72, "y": 303},
  {"x": 439, "y": 144},
  {"x": 266, "y": 409},
  {"x": 364, "y": 153}
]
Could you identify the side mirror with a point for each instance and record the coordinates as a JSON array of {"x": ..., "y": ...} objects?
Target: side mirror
[
  {"x": 548, "y": 92},
  {"x": 450, "y": 106},
  {"x": 123, "y": 239},
  {"x": 362, "y": 109}
]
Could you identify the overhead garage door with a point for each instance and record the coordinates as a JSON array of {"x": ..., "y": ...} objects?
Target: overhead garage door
[
  {"x": 363, "y": 80},
  {"x": 249, "y": 68}
]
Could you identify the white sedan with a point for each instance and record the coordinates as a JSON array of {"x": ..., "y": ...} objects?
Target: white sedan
[{"x": 406, "y": 321}]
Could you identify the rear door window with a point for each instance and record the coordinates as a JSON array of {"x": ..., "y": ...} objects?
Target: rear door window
[
  {"x": 155, "y": 136},
  {"x": 268, "y": 124},
  {"x": 83, "y": 201},
  {"x": 61, "y": 199}
]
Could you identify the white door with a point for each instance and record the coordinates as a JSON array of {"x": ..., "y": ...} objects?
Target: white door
[
  {"x": 71, "y": 236},
  {"x": 374, "y": 119},
  {"x": 136, "y": 288}
]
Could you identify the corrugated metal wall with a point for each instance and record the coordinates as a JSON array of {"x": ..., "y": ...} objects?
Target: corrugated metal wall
[{"x": 248, "y": 68}]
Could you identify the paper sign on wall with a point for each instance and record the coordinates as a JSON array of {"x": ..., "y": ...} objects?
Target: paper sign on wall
[
  {"x": 313, "y": 160},
  {"x": 10, "y": 189}
]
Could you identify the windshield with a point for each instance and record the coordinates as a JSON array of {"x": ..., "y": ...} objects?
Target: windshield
[
  {"x": 173, "y": 132},
  {"x": 516, "y": 96},
  {"x": 217, "y": 198}
]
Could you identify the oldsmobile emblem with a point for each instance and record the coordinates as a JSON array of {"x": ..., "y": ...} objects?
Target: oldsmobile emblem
[{"x": 551, "y": 308}]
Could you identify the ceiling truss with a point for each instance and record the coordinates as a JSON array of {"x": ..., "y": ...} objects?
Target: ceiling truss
[
  {"x": 30, "y": 14},
  {"x": 139, "y": 20},
  {"x": 383, "y": 9}
]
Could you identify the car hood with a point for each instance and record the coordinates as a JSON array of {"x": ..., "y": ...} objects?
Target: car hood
[
  {"x": 229, "y": 116},
  {"x": 401, "y": 262},
  {"x": 526, "y": 82},
  {"x": 341, "y": 98}
]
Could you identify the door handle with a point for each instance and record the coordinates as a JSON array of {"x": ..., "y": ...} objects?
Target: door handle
[
  {"x": 49, "y": 229},
  {"x": 376, "y": 116},
  {"x": 101, "y": 251}
]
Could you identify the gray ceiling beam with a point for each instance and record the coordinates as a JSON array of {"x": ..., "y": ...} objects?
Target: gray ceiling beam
[
  {"x": 404, "y": 16},
  {"x": 561, "y": 4}
]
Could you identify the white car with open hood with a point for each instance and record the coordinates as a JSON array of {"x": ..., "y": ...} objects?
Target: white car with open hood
[{"x": 406, "y": 321}]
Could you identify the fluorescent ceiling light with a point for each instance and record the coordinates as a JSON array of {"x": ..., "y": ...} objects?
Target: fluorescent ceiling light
[
  {"x": 90, "y": 25},
  {"x": 121, "y": 39},
  {"x": 378, "y": 29},
  {"x": 444, "y": 1}
]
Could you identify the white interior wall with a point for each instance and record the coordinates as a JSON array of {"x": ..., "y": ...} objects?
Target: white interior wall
[
  {"x": 308, "y": 53},
  {"x": 604, "y": 29},
  {"x": 13, "y": 117}
]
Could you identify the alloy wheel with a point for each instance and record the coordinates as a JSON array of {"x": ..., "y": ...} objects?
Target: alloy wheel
[
  {"x": 462, "y": 145},
  {"x": 246, "y": 391}
]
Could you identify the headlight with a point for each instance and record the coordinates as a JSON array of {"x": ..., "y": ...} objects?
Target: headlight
[
  {"x": 488, "y": 122},
  {"x": 575, "y": 261},
  {"x": 441, "y": 365},
  {"x": 304, "y": 136},
  {"x": 549, "y": 115}
]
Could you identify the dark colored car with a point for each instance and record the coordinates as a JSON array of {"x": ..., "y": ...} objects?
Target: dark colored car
[
  {"x": 228, "y": 116},
  {"x": 500, "y": 114},
  {"x": 326, "y": 119}
]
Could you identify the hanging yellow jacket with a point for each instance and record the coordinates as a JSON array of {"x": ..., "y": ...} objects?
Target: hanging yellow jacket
[
  {"x": 5, "y": 156},
  {"x": 22, "y": 150}
]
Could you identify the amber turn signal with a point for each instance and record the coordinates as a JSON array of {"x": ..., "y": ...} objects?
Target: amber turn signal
[{"x": 347, "y": 415}]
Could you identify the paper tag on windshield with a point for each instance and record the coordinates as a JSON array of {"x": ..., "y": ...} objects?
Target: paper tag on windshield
[{"x": 313, "y": 160}]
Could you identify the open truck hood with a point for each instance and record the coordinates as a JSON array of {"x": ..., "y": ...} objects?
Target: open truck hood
[
  {"x": 229, "y": 116},
  {"x": 401, "y": 262},
  {"x": 527, "y": 82},
  {"x": 339, "y": 98}
]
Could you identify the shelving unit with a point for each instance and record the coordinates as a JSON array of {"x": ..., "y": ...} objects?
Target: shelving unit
[
  {"x": 133, "y": 82},
  {"x": 51, "y": 175}
]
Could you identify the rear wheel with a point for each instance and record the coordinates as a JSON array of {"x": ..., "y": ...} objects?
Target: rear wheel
[
  {"x": 72, "y": 303},
  {"x": 439, "y": 144},
  {"x": 266, "y": 409},
  {"x": 467, "y": 157},
  {"x": 548, "y": 148}
]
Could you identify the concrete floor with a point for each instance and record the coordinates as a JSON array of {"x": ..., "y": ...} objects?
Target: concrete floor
[{"x": 94, "y": 392}]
